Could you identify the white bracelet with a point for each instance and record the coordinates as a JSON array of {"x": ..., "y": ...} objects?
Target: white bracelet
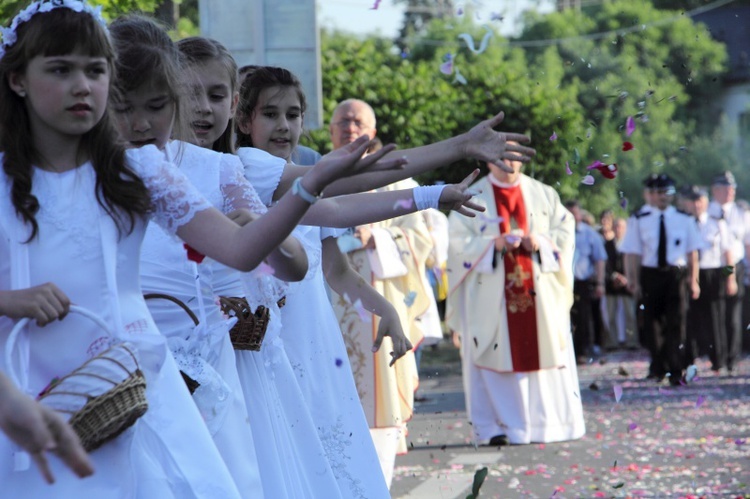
[
  {"x": 427, "y": 196},
  {"x": 299, "y": 190}
]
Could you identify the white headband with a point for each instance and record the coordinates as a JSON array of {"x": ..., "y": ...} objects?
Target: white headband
[{"x": 40, "y": 6}]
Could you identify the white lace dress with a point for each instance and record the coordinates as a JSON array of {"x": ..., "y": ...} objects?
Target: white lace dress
[
  {"x": 168, "y": 453},
  {"x": 316, "y": 349},
  {"x": 204, "y": 352}
]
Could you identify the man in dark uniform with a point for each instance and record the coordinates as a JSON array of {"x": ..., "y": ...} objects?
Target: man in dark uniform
[{"x": 664, "y": 243}]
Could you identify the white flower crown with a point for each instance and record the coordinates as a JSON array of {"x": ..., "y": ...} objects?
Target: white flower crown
[{"x": 40, "y": 6}]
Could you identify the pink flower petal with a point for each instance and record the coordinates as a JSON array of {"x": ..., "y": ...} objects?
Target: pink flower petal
[
  {"x": 629, "y": 126},
  {"x": 699, "y": 402},
  {"x": 447, "y": 67},
  {"x": 567, "y": 168},
  {"x": 553, "y": 137},
  {"x": 588, "y": 180},
  {"x": 596, "y": 164}
]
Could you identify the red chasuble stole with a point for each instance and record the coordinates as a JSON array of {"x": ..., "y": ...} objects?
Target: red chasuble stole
[{"x": 520, "y": 301}]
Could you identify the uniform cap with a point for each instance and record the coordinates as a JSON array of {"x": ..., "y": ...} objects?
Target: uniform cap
[{"x": 725, "y": 178}]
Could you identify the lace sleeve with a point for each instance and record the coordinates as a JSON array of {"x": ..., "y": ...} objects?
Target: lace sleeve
[
  {"x": 174, "y": 200},
  {"x": 263, "y": 170},
  {"x": 235, "y": 188}
]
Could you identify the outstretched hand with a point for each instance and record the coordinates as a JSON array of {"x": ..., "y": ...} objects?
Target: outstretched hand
[
  {"x": 485, "y": 144},
  {"x": 390, "y": 325},
  {"x": 39, "y": 430},
  {"x": 457, "y": 197},
  {"x": 349, "y": 160}
]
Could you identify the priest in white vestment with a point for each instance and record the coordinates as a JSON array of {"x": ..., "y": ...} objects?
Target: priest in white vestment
[{"x": 511, "y": 289}]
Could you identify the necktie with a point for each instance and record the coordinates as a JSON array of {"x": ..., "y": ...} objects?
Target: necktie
[{"x": 662, "y": 252}]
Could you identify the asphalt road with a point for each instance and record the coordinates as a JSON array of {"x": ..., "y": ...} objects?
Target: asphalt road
[{"x": 657, "y": 441}]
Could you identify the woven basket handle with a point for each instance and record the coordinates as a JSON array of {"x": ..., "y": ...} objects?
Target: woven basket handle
[
  {"x": 20, "y": 325},
  {"x": 151, "y": 296}
]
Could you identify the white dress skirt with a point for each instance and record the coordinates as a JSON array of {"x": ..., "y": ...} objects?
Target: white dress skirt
[
  {"x": 167, "y": 453},
  {"x": 318, "y": 354},
  {"x": 204, "y": 352},
  {"x": 292, "y": 460}
]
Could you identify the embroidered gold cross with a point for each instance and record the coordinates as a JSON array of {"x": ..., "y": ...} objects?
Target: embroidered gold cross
[{"x": 518, "y": 276}]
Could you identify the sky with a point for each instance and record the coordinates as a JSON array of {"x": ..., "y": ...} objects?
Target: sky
[{"x": 357, "y": 16}]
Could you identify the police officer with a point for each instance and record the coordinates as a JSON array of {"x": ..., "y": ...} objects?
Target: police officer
[
  {"x": 705, "y": 325},
  {"x": 664, "y": 243},
  {"x": 723, "y": 191}
]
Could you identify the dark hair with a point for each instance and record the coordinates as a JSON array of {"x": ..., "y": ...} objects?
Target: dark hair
[
  {"x": 62, "y": 31},
  {"x": 146, "y": 55},
  {"x": 200, "y": 50},
  {"x": 256, "y": 80},
  {"x": 571, "y": 203}
]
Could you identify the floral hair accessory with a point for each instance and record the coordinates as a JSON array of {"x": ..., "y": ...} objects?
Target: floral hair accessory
[{"x": 41, "y": 6}]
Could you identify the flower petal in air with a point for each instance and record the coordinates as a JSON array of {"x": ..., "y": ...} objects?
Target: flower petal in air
[
  {"x": 629, "y": 126},
  {"x": 627, "y": 146},
  {"x": 618, "y": 392},
  {"x": 553, "y": 137},
  {"x": 587, "y": 180}
]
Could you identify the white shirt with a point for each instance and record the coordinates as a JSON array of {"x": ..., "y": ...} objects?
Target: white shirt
[
  {"x": 717, "y": 242},
  {"x": 642, "y": 236},
  {"x": 738, "y": 222}
]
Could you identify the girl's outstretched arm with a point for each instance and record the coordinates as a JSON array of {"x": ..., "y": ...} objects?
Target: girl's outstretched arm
[
  {"x": 482, "y": 143},
  {"x": 346, "y": 282},
  {"x": 244, "y": 248},
  {"x": 370, "y": 207}
]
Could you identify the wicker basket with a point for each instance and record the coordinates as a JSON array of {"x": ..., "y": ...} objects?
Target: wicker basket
[
  {"x": 105, "y": 416},
  {"x": 192, "y": 385},
  {"x": 251, "y": 326}
]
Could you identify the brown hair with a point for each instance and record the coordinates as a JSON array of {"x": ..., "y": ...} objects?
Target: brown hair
[
  {"x": 256, "y": 80},
  {"x": 147, "y": 56},
  {"x": 200, "y": 50},
  {"x": 62, "y": 31}
]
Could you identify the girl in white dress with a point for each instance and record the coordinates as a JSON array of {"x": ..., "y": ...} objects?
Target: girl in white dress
[
  {"x": 72, "y": 217},
  {"x": 312, "y": 335}
]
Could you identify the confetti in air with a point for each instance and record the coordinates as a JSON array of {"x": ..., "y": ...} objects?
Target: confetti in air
[
  {"x": 629, "y": 126},
  {"x": 375, "y": 5},
  {"x": 482, "y": 45},
  {"x": 447, "y": 67},
  {"x": 490, "y": 220},
  {"x": 459, "y": 78},
  {"x": 618, "y": 392}
]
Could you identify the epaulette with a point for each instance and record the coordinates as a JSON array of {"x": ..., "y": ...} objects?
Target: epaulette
[{"x": 642, "y": 212}]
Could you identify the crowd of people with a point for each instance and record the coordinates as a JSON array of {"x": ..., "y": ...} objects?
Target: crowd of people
[
  {"x": 277, "y": 307},
  {"x": 670, "y": 278}
]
